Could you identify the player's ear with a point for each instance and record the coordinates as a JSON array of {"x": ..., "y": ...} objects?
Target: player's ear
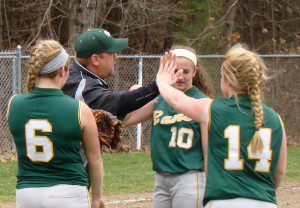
[{"x": 63, "y": 71}]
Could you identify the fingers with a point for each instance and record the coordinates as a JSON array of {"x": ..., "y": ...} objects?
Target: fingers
[
  {"x": 161, "y": 65},
  {"x": 169, "y": 67},
  {"x": 167, "y": 63},
  {"x": 166, "y": 57}
]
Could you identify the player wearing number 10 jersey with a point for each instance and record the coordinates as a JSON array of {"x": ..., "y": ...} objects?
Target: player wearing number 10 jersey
[
  {"x": 176, "y": 140},
  {"x": 247, "y": 141}
]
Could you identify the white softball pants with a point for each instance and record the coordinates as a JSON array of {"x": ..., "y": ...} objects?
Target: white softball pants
[
  {"x": 59, "y": 196},
  {"x": 239, "y": 203},
  {"x": 179, "y": 190}
]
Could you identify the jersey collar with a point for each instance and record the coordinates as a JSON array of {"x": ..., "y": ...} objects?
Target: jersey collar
[
  {"x": 47, "y": 91},
  {"x": 241, "y": 96}
]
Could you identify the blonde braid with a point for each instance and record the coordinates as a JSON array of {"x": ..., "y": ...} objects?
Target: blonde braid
[
  {"x": 34, "y": 66},
  {"x": 244, "y": 70},
  {"x": 255, "y": 97}
]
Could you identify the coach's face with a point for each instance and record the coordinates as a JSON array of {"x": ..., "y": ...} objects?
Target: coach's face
[
  {"x": 107, "y": 64},
  {"x": 102, "y": 64}
]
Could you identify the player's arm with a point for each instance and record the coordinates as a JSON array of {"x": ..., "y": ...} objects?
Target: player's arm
[
  {"x": 282, "y": 161},
  {"x": 204, "y": 138},
  {"x": 196, "y": 109},
  {"x": 138, "y": 116},
  {"x": 91, "y": 148}
]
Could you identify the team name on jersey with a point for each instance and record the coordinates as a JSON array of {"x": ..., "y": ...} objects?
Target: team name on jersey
[{"x": 168, "y": 119}]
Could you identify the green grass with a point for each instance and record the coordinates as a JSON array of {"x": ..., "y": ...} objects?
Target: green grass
[
  {"x": 126, "y": 173},
  {"x": 8, "y": 181},
  {"x": 293, "y": 166}
]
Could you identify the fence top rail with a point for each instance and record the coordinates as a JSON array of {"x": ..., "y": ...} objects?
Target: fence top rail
[
  {"x": 7, "y": 53},
  {"x": 215, "y": 56},
  {"x": 14, "y": 54}
]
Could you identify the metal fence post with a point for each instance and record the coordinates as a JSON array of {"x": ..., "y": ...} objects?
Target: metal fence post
[
  {"x": 14, "y": 76},
  {"x": 139, "y": 126},
  {"x": 18, "y": 66}
]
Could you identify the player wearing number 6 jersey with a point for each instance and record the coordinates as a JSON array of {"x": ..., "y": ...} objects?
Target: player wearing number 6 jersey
[
  {"x": 48, "y": 128},
  {"x": 247, "y": 141},
  {"x": 176, "y": 144}
]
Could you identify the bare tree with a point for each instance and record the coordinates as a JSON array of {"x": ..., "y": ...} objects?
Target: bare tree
[
  {"x": 154, "y": 25},
  {"x": 229, "y": 24},
  {"x": 82, "y": 16}
]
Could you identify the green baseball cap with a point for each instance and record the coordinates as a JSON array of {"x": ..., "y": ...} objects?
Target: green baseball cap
[{"x": 94, "y": 41}]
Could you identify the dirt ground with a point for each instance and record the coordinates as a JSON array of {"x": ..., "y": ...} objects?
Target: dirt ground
[{"x": 288, "y": 197}]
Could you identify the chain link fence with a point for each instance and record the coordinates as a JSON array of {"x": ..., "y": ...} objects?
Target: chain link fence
[{"x": 281, "y": 91}]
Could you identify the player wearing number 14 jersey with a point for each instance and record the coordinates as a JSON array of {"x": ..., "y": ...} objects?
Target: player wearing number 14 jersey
[
  {"x": 247, "y": 141},
  {"x": 231, "y": 161}
]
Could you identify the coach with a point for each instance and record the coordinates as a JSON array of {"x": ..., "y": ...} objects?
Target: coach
[{"x": 95, "y": 61}]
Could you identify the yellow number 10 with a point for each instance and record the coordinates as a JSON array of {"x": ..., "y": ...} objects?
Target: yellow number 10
[{"x": 234, "y": 161}]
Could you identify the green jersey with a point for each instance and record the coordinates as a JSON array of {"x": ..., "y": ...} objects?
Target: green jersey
[
  {"x": 47, "y": 133},
  {"x": 175, "y": 142},
  {"x": 233, "y": 169}
]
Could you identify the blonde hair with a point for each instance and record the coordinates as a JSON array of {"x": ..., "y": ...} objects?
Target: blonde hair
[
  {"x": 201, "y": 80},
  {"x": 43, "y": 52},
  {"x": 245, "y": 70}
]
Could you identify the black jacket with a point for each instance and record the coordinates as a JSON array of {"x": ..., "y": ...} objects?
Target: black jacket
[{"x": 91, "y": 89}]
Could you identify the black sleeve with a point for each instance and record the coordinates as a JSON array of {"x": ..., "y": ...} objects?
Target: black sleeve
[
  {"x": 133, "y": 100},
  {"x": 118, "y": 103},
  {"x": 98, "y": 97}
]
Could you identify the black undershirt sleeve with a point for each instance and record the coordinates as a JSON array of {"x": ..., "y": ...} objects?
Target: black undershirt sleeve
[{"x": 135, "y": 99}]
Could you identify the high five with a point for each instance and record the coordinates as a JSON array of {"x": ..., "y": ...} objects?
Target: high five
[{"x": 247, "y": 141}]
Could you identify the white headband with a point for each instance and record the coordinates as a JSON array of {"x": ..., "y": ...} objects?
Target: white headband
[
  {"x": 59, "y": 61},
  {"x": 185, "y": 53}
]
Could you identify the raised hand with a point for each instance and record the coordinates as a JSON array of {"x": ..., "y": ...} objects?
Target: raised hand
[{"x": 166, "y": 69}]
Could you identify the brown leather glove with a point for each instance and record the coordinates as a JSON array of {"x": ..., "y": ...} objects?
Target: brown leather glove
[{"x": 109, "y": 128}]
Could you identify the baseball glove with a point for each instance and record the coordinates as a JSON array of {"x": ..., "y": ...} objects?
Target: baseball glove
[{"x": 109, "y": 128}]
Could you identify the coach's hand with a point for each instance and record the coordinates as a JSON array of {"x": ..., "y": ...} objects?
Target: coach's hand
[{"x": 134, "y": 87}]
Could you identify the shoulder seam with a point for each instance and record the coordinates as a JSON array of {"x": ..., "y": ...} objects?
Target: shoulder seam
[
  {"x": 209, "y": 115},
  {"x": 79, "y": 114},
  {"x": 8, "y": 106}
]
